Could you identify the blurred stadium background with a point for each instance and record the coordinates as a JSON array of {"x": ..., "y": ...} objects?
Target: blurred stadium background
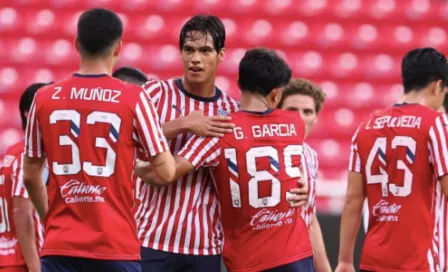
[{"x": 352, "y": 48}]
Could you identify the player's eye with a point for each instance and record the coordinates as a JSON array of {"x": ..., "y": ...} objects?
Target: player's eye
[
  {"x": 206, "y": 50},
  {"x": 188, "y": 49},
  {"x": 308, "y": 112}
]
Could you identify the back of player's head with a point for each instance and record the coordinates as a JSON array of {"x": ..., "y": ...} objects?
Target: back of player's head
[
  {"x": 262, "y": 70},
  {"x": 205, "y": 24},
  {"x": 303, "y": 87},
  {"x": 422, "y": 66},
  {"x": 98, "y": 31},
  {"x": 27, "y": 99},
  {"x": 130, "y": 75}
]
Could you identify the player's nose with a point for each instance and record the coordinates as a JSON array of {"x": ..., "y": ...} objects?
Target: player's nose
[{"x": 196, "y": 59}]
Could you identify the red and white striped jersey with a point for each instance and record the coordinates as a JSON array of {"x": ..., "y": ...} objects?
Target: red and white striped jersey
[
  {"x": 182, "y": 217},
  {"x": 401, "y": 152},
  {"x": 309, "y": 160},
  {"x": 11, "y": 185}
]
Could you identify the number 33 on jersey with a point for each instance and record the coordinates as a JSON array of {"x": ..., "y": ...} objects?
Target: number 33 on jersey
[{"x": 90, "y": 136}]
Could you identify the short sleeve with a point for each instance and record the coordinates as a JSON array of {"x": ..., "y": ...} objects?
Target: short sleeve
[
  {"x": 355, "y": 161},
  {"x": 147, "y": 130},
  {"x": 201, "y": 151},
  {"x": 18, "y": 188},
  {"x": 33, "y": 137},
  {"x": 438, "y": 139},
  {"x": 153, "y": 88}
]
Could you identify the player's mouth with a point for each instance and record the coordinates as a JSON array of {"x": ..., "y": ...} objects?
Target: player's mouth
[{"x": 195, "y": 70}]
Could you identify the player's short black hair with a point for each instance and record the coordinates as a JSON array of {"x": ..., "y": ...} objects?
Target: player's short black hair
[
  {"x": 262, "y": 70},
  {"x": 206, "y": 24},
  {"x": 422, "y": 66},
  {"x": 27, "y": 99},
  {"x": 98, "y": 30},
  {"x": 130, "y": 75}
]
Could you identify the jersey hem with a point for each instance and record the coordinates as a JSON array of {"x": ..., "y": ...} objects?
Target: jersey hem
[
  {"x": 188, "y": 251},
  {"x": 274, "y": 265},
  {"x": 23, "y": 264},
  {"x": 383, "y": 269},
  {"x": 77, "y": 254}
]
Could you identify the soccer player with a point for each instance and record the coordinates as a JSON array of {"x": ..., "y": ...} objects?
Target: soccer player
[
  {"x": 89, "y": 126},
  {"x": 253, "y": 169},
  {"x": 306, "y": 98},
  {"x": 18, "y": 220},
  {"x": 399, "y": 161},
  {"x": 130, "y": 75},
  {"x": 178, "y": 225}
]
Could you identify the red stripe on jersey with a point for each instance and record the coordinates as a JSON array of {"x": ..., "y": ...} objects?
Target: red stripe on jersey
[
  {"x": 310, "y": 157},
  {"x": 179, "y": 204},
  {"x": 148, "y": 127},
  {"x": 18, "y": 188},
  {"x": 33, "y": 141},
  {"x": 355, "y": 163},
  {"x": 12, "y": 186},
  {"x": 440, "y": 144}
]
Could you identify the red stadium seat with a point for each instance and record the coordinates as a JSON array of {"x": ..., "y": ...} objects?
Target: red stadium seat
[{"x": 351, "y": 48}]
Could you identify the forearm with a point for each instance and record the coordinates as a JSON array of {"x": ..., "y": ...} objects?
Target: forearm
[
  {"x": 26, "y": 236},
  {"x": 321, "y": 262},
  {"x": 350, "y": 223},
  {"x": 173, "y": 128},
  {"x": 38, "y": 196}
]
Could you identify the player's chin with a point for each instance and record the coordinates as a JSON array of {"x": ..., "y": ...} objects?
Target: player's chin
[{"x": 195, "y": 78}]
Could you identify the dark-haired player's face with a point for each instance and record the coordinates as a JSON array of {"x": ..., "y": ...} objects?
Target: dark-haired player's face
[
  {"x": 304, "y": 105},
  {"x": 200, "y": 58}
]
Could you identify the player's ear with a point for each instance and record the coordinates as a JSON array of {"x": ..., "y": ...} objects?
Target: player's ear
[
  {"x": 276, "y": 95},
  {"x": 118, "y": 48},
  {"x": 77, "y": 44},
  {"x": 221, "y": 55}
]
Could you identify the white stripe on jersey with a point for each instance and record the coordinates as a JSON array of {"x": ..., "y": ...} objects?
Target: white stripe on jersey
[
  {"x": 182, "y": 217},
  {"x": 312, "y": 164}
]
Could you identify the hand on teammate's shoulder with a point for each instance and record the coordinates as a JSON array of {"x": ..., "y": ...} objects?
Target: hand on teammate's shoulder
[{"x": 212, "y": 126}]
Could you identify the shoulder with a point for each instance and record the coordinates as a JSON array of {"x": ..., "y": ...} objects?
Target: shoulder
[{"x": 154, "y": 84}]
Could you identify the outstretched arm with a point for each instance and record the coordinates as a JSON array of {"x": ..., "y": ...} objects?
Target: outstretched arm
[
  {"x": 145, "y": 171},
  {"x": 32, "y": 179},
  {"x": 321, "y": 262},
  {"x": 198, "y": 124},
  {"x": 351, "y": 220}
]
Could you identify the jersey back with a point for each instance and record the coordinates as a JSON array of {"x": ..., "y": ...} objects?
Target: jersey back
[
  {"x": 400, "y": 151},
  {"x": 257, "y": 166},
  {"x": 90, "y": 128}
]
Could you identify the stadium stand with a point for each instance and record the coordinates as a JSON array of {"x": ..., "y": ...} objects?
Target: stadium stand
[{"x": 352, "y": 48}]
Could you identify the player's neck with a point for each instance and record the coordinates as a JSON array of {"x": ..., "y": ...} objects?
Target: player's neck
[
  {"x": 251, "y": 102},
  {"x": 95, "y": 66},
  {"x": 414, "y": 98},
  {"x": 205, "y": 89}
]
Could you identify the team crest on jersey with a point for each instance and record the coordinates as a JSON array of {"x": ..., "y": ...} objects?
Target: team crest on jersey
[
  {"x": 99, "y": 171},
  {"x": 7, "y": 160},
  {"x": 222, "y": 112},
  {"x": 65, "y": 169}
]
